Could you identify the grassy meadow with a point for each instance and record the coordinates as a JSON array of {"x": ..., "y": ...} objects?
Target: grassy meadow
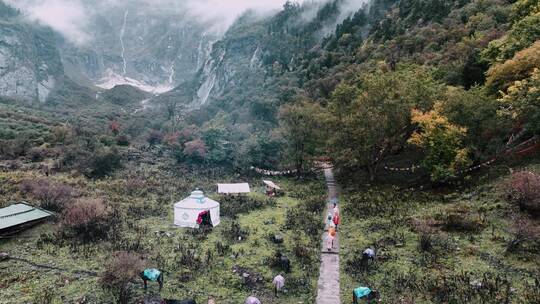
[
  {"x": 230, "y": 262},
  {"x": 440, "y": 247}
]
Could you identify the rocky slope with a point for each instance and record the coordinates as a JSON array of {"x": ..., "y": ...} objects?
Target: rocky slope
[
  {"x": 152, "y": 49},
  {"x": 30, "y": 64}
]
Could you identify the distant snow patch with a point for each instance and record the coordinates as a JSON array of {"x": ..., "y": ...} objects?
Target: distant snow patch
[{"x": 113, "y": 79}]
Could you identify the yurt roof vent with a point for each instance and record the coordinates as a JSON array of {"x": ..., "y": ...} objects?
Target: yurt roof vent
[{"x": 197, "y": 195}]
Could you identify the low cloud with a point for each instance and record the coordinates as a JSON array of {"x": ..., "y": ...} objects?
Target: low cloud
[
  {"x": 222, "y": 14},
  {"x": 67, "y": 17},
  {"x": 73, "y": 17}
]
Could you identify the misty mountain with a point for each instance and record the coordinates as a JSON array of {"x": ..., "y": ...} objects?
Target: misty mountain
[
  {"x": 152, "y": 49},
  {"x": 161, "y": 47},
  {"x": 246, "y": 64},
  {"x": 30, "y": 63}
]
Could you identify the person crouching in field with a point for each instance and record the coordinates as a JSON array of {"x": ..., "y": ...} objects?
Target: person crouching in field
[
  {"x": 365, "y": 294},
  {"x": 279, "y": 283},
  {"x": 153, "y": 275}
]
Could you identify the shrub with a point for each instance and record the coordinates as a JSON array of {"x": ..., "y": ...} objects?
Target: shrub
[
  {"x": 471, "y": 288},
  {"x": 523, "y": 189},
  {"x": 102, "y": 164},
  {"x": 44, "y": 295},
  {"x": 154, "y": 137},
  {"x": 88, "y": 219},
  {"x": 302, "y": 248},
  {"x": 37, "y": 154},
  {"x": 460, "y": 218},
  {"x": 51, "y": 196},
  {"x": 122, "y": 269},
  {"x": 234, "y": 232},
  {"x": 300, "y": 219},
  {"x": 122, "y": 140},
  {"x": 315, "y": 204},
  {"x": 232, "y": 206},
  {"x": 532, "y": 292},
  {"x": 16, "y": 147},
  {"x": 195, "y": 150},
  {"x": 430, "y": 239},
  {"x": 522, "y": 231},
  {"x": 425, "y": 239}
]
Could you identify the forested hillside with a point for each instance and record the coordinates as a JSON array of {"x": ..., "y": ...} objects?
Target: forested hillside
[{"x": 446, "y": 84}]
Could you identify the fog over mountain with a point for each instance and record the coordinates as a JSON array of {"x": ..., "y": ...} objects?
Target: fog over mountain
[
  {"x": 152, "y": 45},
  {"x": 73, "y": 18}
]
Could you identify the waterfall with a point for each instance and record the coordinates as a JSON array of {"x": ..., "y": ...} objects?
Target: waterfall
[
  {"x": 122, "y": 31},
  {"x": 200, "y": 52},
  {"x": 171, "y": 73},
  {"x": 210, "y": 72},
  {"x": 255, "y": 58}
]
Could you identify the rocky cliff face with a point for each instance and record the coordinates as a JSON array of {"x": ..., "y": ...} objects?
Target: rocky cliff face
[
  {"x": 30, "y": 64},
  {"x": 140, "y": 46}
]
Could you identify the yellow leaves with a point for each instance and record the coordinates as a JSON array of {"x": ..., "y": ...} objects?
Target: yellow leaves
[
  {"x": 461, "y": 159},
  {"x": 441, "y": 141},
  {"x": 433, "y": 122},
  {"x": 502, "y": 76},
  {"x": 522, "y": 100}
]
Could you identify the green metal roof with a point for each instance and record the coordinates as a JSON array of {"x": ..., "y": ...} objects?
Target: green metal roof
[{"x": 19, "y": 214}]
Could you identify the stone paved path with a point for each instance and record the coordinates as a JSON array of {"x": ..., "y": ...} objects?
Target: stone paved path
[{"x": 328, "y": 285}]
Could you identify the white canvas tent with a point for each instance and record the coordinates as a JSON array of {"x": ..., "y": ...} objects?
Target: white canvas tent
[
  {"x": 233, "y": 188},
  {"x": 187, "y": 211},
  {"x": 271, "y": 184}
]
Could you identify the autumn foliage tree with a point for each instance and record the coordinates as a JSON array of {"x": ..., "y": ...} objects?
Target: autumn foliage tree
[
  {"x": 114, "y": 127},
  {"x": 521, "y": 102},
  {"x": 195, "y": 150},
  {"x": 373, "y": 121},
  {"x": 521, "y": 66},
  {"x": 442, "y": 143}
]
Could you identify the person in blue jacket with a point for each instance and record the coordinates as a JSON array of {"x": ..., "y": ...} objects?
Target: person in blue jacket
[
  {"x": 366, "y": 294},
  {"x": 153, "y": 275}
]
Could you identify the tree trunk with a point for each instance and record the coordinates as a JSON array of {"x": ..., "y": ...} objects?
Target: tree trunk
[{"x": 372, "y": 170}]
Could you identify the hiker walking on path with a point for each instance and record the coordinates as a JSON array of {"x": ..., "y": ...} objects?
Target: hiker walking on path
[
  {"x": 329, "y": 220},
  {"x": 279, "y": 283},
  {"x": 335, "y": 217},
  {"x": 332, "y": 230},
  {"x": 330, "y": 242}
]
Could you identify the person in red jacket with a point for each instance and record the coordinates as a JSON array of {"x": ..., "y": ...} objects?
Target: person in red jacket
[{"x": 336, "y": 220}]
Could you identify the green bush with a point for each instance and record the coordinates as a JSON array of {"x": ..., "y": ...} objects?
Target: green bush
[
  {"x": 232, "y": 206},
  {"x": 102, "y": 164}
]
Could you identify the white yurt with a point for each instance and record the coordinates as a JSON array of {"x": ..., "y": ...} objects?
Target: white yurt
[{"x": 195, "y": 210}]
